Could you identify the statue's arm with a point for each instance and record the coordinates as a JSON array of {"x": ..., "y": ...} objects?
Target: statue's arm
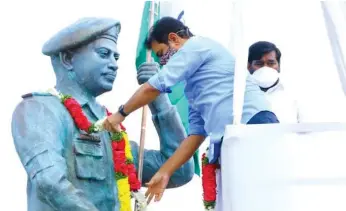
[
  {"x": 171, "y": 133},
  {"x": 38, "y": 134}
]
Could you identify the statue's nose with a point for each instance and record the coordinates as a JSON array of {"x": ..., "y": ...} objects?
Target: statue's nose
[{"x": 113, "y": 65}]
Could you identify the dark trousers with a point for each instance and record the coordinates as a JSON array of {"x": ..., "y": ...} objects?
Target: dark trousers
[{"x": 263, "y": 117}]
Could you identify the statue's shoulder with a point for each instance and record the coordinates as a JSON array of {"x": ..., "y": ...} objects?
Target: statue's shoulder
[
  {"x": 41, "y": 99},
  {"x": 32, "y": 95},
  {"x": 40, "y": 96},
  {"x": 41, "y": 110}
]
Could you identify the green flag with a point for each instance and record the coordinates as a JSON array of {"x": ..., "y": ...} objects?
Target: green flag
[{"x": 177, "y": 97}]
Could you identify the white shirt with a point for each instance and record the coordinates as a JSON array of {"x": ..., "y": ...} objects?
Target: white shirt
[{"x": 284, "y": 105}]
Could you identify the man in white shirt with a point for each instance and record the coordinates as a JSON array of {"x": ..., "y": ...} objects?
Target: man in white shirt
[{"x": 264, "y": 66}]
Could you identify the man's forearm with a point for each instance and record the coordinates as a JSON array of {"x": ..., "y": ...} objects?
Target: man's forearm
[
  {"x": 143, "y": 96},
  {"x": 183, "y": 153}
]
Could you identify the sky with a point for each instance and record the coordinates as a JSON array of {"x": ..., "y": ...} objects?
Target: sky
[{"x": 297, "y": 29}]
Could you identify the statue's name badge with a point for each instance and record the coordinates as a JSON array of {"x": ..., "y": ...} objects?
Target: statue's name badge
[{"x": 89, "y": 137}]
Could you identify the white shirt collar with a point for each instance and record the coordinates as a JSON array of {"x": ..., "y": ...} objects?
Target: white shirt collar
[{"x": 277, "y": 87}]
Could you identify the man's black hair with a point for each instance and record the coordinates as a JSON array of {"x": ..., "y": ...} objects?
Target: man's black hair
[
  {"x": 258, "y": 49},
  {"x": 159, "y": 32}
]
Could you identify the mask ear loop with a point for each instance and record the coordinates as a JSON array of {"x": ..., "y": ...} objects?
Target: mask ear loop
[{"x": 184, "y": 32}]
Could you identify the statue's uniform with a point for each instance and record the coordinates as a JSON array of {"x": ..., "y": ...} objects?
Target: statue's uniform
[{"x": 66, "y": 171}]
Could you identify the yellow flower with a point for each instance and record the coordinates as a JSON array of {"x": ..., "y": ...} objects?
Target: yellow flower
[
  {"x": 124, "y": 194},
  {"x": 128, "y": 153}
]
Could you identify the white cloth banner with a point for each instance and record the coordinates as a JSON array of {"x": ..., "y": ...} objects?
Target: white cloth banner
[
  {"x": 286, "y": 167},
  {"x": 335, "y": 19},
  {"x": 238, "y": 48}
]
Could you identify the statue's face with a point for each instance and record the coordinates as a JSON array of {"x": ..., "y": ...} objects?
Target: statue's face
[{"x": 95, "y": 65}]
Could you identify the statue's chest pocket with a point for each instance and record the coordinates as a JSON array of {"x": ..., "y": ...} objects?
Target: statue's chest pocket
[{"x": 89, "y": 160}]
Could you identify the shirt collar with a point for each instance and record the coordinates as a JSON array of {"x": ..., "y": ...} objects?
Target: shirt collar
[
  {"x": 95, "y": 107},
  {"x": 278, "y": 86}
]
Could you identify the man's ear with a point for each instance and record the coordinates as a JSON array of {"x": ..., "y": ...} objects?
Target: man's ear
[
  {"x": 248, "y": 66},
  {"x": 173, "y": 37},
  {"x": 66, "y": 59}
]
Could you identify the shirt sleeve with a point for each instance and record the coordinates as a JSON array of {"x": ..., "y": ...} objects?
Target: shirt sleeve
[
  {"x": 196, "y": 123},
  {"x": 181, "y": 66}
]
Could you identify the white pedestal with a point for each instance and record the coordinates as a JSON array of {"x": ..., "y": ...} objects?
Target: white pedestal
[{"x": 284, "y": 167}]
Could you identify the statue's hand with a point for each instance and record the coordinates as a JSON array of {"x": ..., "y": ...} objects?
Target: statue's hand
[{"x": 146, "y": 71}]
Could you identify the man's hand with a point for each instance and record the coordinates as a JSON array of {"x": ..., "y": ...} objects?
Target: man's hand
[
  {"x": 146, "y": 71},
  {"x": 156, "y": 186},
  {"x": 112, "y": 122}
]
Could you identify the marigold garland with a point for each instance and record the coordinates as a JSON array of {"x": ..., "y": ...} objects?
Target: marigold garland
[
  {"x": 209, "y": 183},
  {"x": 125, "y": 171}
]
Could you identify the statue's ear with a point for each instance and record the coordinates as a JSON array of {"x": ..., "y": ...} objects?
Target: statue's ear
[{"x": 66, "y": 59}]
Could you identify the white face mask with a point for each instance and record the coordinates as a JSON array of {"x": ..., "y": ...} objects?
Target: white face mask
[{"x": 265, "y": 77}]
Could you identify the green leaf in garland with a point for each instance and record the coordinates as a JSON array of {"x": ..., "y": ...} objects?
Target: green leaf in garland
[
  {"x": 92, "y": 129},
  {"x": 205, "y": 161},
  {"x": 65, "y": 97},
  {"x": 208, "y": 204},
  {"x": 119, "y": 176},
  {"x": 117, "y": 136},
  {"x": 129, "y": 161}
]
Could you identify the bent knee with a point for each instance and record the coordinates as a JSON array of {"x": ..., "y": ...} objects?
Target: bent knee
[{"x": 184, "y": 174}]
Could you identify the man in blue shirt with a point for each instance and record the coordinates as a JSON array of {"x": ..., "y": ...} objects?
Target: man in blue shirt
[{"x": 207, "y": 68}]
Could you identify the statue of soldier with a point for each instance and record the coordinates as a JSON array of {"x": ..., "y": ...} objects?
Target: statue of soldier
[{"x": 66, "y": 171}]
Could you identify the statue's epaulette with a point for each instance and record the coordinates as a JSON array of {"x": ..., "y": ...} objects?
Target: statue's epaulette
[{"x": 32, "y": 94}]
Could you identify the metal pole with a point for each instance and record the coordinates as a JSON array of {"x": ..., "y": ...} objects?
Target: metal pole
[{"x": 145, "y": 108}]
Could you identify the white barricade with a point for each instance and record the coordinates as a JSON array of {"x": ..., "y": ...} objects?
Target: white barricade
[{"x": 283, "y": 167}]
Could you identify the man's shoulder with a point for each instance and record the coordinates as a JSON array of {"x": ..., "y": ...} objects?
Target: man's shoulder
[
  {"x": 203, "y": 46},
  {"x": 200, "y": 41},
  {"x": 280, "y": 87},
  {"x": 287, "y": 89},
  {"x": 284, "y": 92}
]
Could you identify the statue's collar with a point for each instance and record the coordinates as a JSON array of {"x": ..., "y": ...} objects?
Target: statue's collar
[
  {"x": 77, "y": 93},
  {"x": 84, "y": 99},
  {"x": 94, "y": 106}
]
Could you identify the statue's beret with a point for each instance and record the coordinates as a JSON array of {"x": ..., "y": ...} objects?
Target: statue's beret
[{"x": 81, "y": 32}]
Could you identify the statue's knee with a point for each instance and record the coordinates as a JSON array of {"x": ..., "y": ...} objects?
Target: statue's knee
[
  {"x": 187, "y": 171},
  {"x": 190, "y": 169}
]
